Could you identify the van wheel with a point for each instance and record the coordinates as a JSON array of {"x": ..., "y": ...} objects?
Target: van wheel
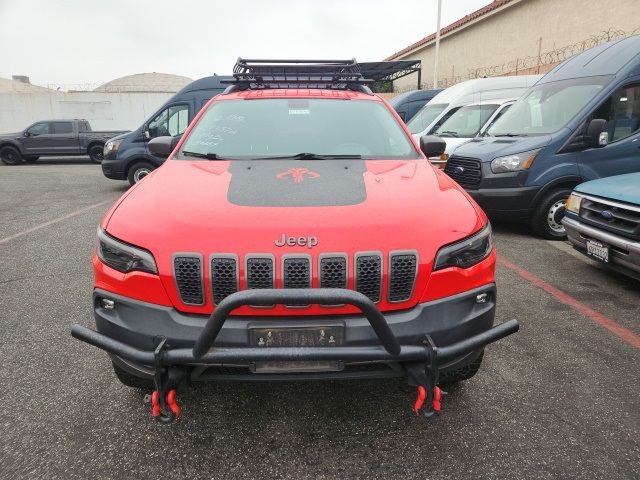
[
  {"x": 547, "y": 217},
  {"x": 96, "y": 153},
  {"x": 10, "y": 156},
  {"x": 138, "y": 171},
  {"x": 131, "y": 380}
]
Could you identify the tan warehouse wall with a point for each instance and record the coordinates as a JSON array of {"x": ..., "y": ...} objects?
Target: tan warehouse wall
[{"x": 523, "y": 28}]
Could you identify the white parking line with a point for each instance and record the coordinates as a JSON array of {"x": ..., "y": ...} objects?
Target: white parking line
[{"x": 51, "y": 222}]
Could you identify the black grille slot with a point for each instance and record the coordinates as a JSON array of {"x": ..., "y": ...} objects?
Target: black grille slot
[
  {"x": 333, "y": 272},
  {"x": 615, "y": 218},
  {"x": 369, "y": 275},
  {"x": 296, "y": 273},
  {"x": 466, "y": 171},
  {"x": 259, "y": 272},
  {"x": 188, "y": 274},
  {"x": 224, "y": 277},
  {"x": 402, "y": 276}
]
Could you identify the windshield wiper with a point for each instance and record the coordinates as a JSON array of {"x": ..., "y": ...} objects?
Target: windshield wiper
[
  {"x": 508, "y": 135},
  {"x": 448, "y": 133},
  {"x": 208, "y": 156},
  {"x": 311, "y": 156}
]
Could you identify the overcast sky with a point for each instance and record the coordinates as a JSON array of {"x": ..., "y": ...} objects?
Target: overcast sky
[{"x": 76, "y": 42}]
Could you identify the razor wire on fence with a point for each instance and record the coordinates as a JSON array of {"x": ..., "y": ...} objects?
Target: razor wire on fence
[{"x": 533, "y": 64}]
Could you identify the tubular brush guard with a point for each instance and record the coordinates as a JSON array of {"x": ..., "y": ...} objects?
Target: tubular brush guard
[{"x": 421, "y": 362}]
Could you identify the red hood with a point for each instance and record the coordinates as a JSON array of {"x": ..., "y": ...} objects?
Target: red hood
[{"x": 193, "y": 206}]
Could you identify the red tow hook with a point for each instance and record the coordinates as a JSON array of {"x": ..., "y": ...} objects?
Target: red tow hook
[
  {"x": 422, "y": 395},
  {"x": 156, "y": 407}
]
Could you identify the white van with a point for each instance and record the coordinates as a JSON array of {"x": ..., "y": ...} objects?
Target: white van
[
  {"x": 447, "y": 102},
  {"x": 469, "y": 122}
]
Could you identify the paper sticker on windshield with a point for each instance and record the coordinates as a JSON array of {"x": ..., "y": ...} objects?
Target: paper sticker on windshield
[{"x": 299, "y": 111}]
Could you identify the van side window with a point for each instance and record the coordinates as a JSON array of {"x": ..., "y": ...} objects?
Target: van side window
[
  {"x": 171, "y": 121},
  {"x": 622, "y": 112}
]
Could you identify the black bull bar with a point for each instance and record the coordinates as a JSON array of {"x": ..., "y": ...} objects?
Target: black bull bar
[{"x": 390, "y": 349}]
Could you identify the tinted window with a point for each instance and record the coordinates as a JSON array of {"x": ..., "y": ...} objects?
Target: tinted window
[
  {"x": 622, "y": 112},
  {"x": 171, "y": 121},
  {"x": 425, "y": 117},
  {"x": 548, "y": 107},
  {"x": 282, "y": 127},
  {"x": 39, "y": 128},
  {"x": 62, "y": 127}
]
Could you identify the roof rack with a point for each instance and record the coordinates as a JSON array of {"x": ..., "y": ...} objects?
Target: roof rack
[{"x": 252, "y": 74}]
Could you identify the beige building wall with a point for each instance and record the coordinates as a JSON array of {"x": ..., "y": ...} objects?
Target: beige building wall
[{"x": 511, "y": 38}]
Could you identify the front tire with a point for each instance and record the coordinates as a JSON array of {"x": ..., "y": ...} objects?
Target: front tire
[
  {"x": 131, "y": 380},
  {"x": 462, "y": 374},
  {"x": 10, "y": 156},
  {"x": 546, "y": 219},
  {"x": 138, "y": 171},
  {"x": 96, "y": 153}
]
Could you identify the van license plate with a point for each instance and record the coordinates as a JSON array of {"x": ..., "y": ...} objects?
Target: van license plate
[{"x": 598, "y": 250}]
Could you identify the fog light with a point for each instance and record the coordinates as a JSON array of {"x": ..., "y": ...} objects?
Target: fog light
[
  {"x": 108, "y": 304},
  {"x": 482, "y": 298}
]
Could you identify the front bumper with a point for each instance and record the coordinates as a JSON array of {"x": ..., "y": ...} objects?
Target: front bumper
[
  {"x": 624, "y": 253},
  {"x": 113, "y": 169},
  {"x": 218, "y": 346},
  {"x": 511, "y": 204}
]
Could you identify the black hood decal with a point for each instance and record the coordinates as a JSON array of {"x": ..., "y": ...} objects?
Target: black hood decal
[{"x": 297, "y": 183}]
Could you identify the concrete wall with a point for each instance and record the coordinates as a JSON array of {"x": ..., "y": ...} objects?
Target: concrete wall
[
  {"x": 491, "y": 44},
  {"x": 105, "y": 111}
]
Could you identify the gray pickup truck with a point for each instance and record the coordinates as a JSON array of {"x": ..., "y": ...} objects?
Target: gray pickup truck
[{"x": 54, "y": 137}]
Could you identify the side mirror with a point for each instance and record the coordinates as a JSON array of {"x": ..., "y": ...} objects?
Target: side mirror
[
  {"x": 26, "y": 133},
  {"x": 161, "y": 146},
  {"x": 146, "y": 133},
  {"x": 432, "y": 146},
  {"x": 596, "y": 135}
]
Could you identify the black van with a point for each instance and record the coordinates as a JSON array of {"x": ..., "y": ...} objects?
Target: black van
[
  {"x": 409, "y": 103},
  {"x": 126, "y": 157}
]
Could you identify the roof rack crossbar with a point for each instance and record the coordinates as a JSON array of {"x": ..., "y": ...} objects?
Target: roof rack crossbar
[{"x": 250, "y": 74}]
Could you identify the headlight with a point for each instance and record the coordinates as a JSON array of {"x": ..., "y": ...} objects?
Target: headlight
[
  {"x": 513, "y": 163},
  {"x": 112, "y": 146},
  {"x": 123, "y": 257},
  {"x": 573, "y": 203},
  {"x": 467, "y": 252}
]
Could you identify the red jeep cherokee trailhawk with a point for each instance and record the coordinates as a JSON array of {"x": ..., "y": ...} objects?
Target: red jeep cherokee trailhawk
[{"x": 296, "y": 231}]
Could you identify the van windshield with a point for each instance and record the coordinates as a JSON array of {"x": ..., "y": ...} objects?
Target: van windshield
[
  {"x": 466, "y": 122},
  {"x": 548, "y": 107},
  {"x": 425, "y": 117},
  {"x": 279, "y": 127}
]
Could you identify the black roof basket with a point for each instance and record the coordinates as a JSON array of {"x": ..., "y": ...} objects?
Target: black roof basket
[{"x": 251, "y": 74}]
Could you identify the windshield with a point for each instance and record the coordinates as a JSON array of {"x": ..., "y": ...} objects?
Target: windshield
[
  {"x": 548, "y": 107},
  {"x": 298, "y": 127},
  {"x": 425, "y": 117},
  {"x": 466, "y": 122}
]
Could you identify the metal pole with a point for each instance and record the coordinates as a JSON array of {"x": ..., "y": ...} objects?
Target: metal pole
[{"x": 435, "y": 65}]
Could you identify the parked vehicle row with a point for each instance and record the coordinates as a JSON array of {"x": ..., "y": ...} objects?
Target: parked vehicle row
[{"x": 54, "y": 137}]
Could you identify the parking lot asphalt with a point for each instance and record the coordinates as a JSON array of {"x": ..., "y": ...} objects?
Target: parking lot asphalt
[{"x": 559, "y": 399}]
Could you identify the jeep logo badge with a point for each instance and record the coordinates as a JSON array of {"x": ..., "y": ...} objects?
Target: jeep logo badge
[{"x": 309, "y": 242}]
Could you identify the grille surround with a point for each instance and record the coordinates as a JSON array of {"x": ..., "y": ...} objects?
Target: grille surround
[
  {"x": 249, "y": 265},
  {"x": 372, "y": 291},
  {"x": 393, "y": 297},
  {"x": 323, "y": 282},
  {"x": 471, "y": 176},
  {"x": 625, "y": 219},
  {"x": 190, "y": 294},
  {"x": 216, "y": 295}
]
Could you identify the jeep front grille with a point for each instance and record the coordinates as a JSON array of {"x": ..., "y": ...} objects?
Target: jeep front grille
[
  {"x": 615, "y": 217},
  {"x": 368, "y": 275},
  {"x": 297, "y": 271},
  {"x": 402, "y": 275},
  {"x": 224, "y": 276},
  {"x": 466, "y": 171},
  {"x": 187, "y": 270}
]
